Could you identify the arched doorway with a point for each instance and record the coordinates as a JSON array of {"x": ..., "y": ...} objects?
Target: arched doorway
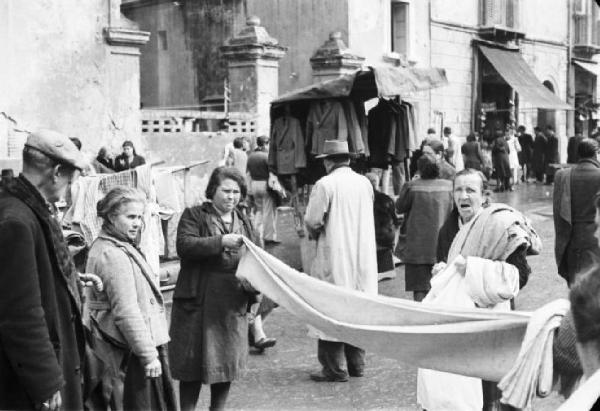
[{"x": 547, "y": 117}]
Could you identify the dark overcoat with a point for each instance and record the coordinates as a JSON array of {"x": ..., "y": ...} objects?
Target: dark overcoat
[
  {"x": 286, "y": 149},
  {"x": 209, "y": 328},
  {"x": 573, "y": 204},
  {"x": 41, "y": 334},
  {"x": 500, "y": 152}
]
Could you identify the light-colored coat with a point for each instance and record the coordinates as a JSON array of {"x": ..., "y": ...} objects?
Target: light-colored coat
[
  {"x": 130, "y": 308},
  {"x": 340, "y": 213}
]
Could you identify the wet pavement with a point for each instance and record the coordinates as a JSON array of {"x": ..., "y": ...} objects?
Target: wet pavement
[{"x": 279, "y": 378}]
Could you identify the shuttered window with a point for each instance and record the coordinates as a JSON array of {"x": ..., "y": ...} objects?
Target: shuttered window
[
  {"x": 400, "y": 27},
  {"x": 501, "y": 13}
]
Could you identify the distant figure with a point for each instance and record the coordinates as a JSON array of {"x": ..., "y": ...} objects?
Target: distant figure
[
  {"x": 501, "y": 161},
  {"x": 129, "y": 158},
  {"x": 453, "y": 151},
  {"x": 552, "y": 156},
  {"x": 539, "y": 160},
  {"x": 427, "y": 203},
  {"x": 572, "y": 153},
  {"x": 574, "y": 212},
  {"x": 239, "y": 156},
  {"x": 525, "y": 159},
  {"x": 513, "y": 156},
  {"x": 471, "y": 151},
  {"x": 103, "y": 163},
  {"x": 436, "y": 148},
  {"x": 265, "y": 216}
]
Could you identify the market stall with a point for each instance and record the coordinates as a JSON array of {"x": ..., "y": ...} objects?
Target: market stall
[{"x": 384, "y": 136}]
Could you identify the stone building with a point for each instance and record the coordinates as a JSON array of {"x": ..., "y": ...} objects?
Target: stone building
[
  {"x": 71, "y": 66},
  {"x": 543, "y": 40}
]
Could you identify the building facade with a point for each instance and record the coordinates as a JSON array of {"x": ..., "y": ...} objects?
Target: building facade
[
  {"x": 554, "y": 43},
  {"x": 69, "y": 66}
]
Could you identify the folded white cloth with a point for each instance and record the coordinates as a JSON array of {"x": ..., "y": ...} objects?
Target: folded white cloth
[{"x": 532, "y": 372}]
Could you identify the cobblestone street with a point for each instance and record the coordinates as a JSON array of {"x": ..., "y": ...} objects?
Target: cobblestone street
[{"x": 279, "y": 379}]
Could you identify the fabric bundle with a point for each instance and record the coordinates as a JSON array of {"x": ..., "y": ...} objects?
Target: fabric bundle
[{"x": 532, "y": 372}]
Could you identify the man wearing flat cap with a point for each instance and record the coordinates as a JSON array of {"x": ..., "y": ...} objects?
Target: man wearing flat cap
[
  {"x": 339, "y": 215},
  {"x": 41, "y": 334}
]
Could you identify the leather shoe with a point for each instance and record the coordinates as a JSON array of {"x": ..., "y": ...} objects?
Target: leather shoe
[
  {"x": 356, "y": 373},
  {"x": 272, "y": 242},
  {"x": 265, "y": 343},
  {"x": 320, "y": 377}
]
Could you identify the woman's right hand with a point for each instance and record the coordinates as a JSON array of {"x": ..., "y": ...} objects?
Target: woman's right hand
[
  {"x": 232, "y": 241},
  {"x": 153, "y": 369}
]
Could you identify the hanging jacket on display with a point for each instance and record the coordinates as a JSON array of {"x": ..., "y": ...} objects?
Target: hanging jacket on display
[
  {"x": 382, "y": 126},
  {"x": 355, "y": 139},
  {"x": 326, "y": 121},
  {"x": 287, "y": 150}
]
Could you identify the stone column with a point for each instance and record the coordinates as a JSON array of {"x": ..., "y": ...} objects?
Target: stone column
[
  {"x": 333, "y": 58},
  {"x": 124, "y": 40},
  {"x": 253, "y": 71}
]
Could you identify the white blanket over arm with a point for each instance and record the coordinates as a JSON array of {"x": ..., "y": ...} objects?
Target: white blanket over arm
[{"x": 487, "y": 281}]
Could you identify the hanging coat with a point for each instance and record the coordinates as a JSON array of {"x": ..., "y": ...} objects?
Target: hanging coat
[
  {"x": 340, "y": 211},
  {"x": 326, "y": 121},
  {"x": 286, "y": 150},
  {"x": 355, "y": 139}
]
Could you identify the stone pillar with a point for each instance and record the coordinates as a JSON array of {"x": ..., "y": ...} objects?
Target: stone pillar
[
  {"x": 333, "y": 58},
  {"x": 124, "y": 40},
  {"x": 253, "y": 71}
]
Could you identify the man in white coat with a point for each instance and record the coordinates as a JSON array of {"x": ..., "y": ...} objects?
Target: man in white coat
[{"x": 339, "y": 216}]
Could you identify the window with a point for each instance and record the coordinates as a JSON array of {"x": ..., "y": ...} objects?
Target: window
[
  {"x": 579, "y": 6},
  {"x": 400, "y": 27},
  {"x": 162, "y": 40},
  {"x": 503, "y": 13}
]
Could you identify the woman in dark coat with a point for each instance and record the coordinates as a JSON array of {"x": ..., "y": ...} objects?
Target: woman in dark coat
[
  {"x": 471, "y": 152},
  {"x": 129, "y": 158},
  {"x": 209, "y": 327},
  {"x": 427, "y": 202},
  {"x": 501, "y": 161}
]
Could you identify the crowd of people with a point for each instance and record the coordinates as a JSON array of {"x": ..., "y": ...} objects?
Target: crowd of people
[{"x": 100, "y": 339}]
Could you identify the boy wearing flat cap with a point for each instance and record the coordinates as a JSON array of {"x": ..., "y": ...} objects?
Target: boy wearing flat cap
[{"x": 41, "y": 334}]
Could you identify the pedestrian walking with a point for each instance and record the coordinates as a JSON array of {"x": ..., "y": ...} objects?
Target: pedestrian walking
[
  {"x": 552, "y": 156},
  {"x": 574, "y": 212},
  {"x": 41, "y": 332},
  {"x": 209, "y": 324},
  {"x": 238, "y": 155},
  {"x": 513, "y": 157},
  {"x": 427, "y": 203},
  {"x": 572, "y": 152},
  {"x": 127, "y": 317},
  {"x": 501, "y": 161},
  {"x": 265, "y": 214},
  {"x": 453, "y": 152},
  {"x": 539, "y": 159},
  {"x": 525, "y": 159},
  {"x": 471, "y": 152},
  {"x": 436, "y": 148},
  {"x": 339, "y": 215}
]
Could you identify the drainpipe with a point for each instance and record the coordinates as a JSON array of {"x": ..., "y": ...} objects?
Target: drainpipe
[{"x": 570, "y": 72}]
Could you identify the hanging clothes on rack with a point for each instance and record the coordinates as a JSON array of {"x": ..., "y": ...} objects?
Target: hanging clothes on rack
[
  {"x": 355, "y": 140},
  {"x": 325, "y": 121},
  {"x": 287, "y": 149}
]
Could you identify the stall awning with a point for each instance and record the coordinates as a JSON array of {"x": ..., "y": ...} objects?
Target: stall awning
[
  {"x": 374, "y": 82},
  {"x": 589, "y": 67},
  {"x": 514, "y": 70}
]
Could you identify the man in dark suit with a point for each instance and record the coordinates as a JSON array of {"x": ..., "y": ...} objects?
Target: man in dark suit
[
  {"x": 574, "y": 212},
  {"x": 41, "y": 334},
  {"x": 572, "y": 156}
]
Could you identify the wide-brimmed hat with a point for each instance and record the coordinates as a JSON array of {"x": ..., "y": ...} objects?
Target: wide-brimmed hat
[
  {"x": 58, "y": 147},
  {"x": 334, "y": 148}
]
